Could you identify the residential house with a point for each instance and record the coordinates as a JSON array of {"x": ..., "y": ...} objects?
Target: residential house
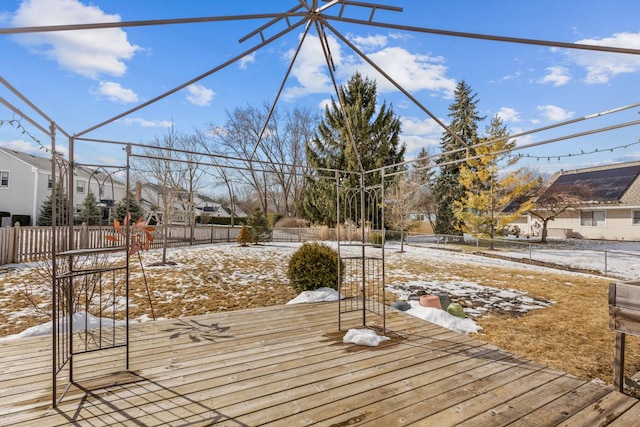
[
  {"x": 151, "y": 198},
  {"x": 207, "y": 206},
  {"x": 609, "y": 209},
  {"x": 26, "y": 181}
]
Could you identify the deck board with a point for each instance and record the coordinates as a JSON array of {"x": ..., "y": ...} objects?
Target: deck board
[{"x": 287, "y": 365}]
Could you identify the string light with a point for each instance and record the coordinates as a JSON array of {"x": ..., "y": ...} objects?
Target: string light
[
  {"x": 581, "y": 153},
  {"x": 18, "y": 125}
]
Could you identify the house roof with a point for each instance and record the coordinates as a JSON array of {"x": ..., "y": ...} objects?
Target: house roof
[
  {"x": 44, "y": 164},
  {"x": 603, "y": 184}
]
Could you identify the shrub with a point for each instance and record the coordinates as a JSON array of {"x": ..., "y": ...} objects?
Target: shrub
[
  {"x": 4, "y": 213},
  {"x": 291, "y": 223},
  {"x": 245, "y": 236},
  {"x": 313, "y": 266},
  {"x": 273, "y": 218},
  {"x": 376, "y": 239}
]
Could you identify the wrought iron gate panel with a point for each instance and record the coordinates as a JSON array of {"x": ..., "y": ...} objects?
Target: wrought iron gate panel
[
  {"x": 90, "y": 290},
  {"x": 361, "y": 236}
]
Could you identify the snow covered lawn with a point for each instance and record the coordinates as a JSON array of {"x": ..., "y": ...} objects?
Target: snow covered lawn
[
  {"x": 225, "y": 277},
  {"x": 556, "y": 317}
]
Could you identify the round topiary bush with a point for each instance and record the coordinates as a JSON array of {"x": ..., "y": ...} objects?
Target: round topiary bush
[{"x": 313, "y": 266}]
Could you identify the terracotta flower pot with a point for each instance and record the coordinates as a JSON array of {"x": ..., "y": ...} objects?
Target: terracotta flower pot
[{"x": 430, "y": 301}]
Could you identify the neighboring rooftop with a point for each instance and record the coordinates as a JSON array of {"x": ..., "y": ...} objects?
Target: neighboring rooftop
[
  {"x": 44, "y": 164},
  {"x": 604, "y": 184}
]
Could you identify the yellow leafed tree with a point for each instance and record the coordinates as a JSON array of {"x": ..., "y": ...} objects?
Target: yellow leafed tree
[{"x": 491, "y": 183}]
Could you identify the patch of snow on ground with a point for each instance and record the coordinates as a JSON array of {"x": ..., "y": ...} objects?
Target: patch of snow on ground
[
  {"x": 363, "y": 337},
  {"x": 442, "y": 318},
  {"x": 319, "y": 295},
  {"x": 79, "y": 321},
  {"x": 433, "y": 315},
  {"x": 476, "y": 299}
]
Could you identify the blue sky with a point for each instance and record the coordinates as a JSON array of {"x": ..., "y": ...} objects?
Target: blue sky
[{"x": 83, "y": 78}]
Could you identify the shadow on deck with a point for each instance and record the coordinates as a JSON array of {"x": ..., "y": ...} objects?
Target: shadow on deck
[{"x": 287, "y": 365}]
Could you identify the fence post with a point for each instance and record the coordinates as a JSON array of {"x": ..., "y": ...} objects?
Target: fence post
[
  {"x": 84, "y": 236},
  {"x": 14, "y": 243},
  {"x": 299, "y": 234}
]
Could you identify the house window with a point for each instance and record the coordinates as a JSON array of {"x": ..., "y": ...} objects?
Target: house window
[
  {"x": 636, "y": 217},
  {"x": 4, "y": 179},
  {"x": 80, "y": 187},
  {"x": 49, "y": 182},
  {"x": 592, "y": 218}
]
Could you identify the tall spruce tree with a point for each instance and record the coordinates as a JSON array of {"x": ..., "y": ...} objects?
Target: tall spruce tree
[
  {"x": 375, "y": 144},
  {"x": 446, "y": 187}
]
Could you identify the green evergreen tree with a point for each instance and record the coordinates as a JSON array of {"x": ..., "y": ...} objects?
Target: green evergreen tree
[
  {"x": 446, "y": 186},
  {"x": 90, "y": 212},
  {"x": 375, "y": 144},
  {"x": 257, "y": 222},
  {"x": 119, "y": 211},
  {"x": 62, "y": 209}
]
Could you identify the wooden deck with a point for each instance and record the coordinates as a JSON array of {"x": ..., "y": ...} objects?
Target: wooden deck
[{"x": 288, "y": 366}]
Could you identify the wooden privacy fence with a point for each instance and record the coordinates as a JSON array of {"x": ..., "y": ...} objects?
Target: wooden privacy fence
[{"x": 23, "y": 244}]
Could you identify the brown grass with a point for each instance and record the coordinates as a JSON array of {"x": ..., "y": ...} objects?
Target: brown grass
[{"x": 572, "y": 335}]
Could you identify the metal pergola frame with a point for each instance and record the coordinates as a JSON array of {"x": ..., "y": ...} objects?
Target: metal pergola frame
[{"x": 305, "y": 14}]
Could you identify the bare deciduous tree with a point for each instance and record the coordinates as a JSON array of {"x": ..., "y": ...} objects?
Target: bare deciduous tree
[
  {"x": 553, "y": 202},
  {"x": 172, "y": 168},
  {"x": 400, "y": 201},
  {"x": 270, "y": 157}
]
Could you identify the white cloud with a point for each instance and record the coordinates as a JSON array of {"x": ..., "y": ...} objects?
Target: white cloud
[
  {"x": 515, "y": 75},
  {"x": 415, "y": 126},
  {"x": 522, "y": 140},
  {"x": 557, "y": 76},
  {"x": 369, "y": 42},
  {"x": 115, "y": 92},
  {"x": 415, "y": 143},
  {"x": 508, "y": 115},
  {"x": 21, "y": 145},
  {"x": 32, "y": 147},
  {"x": 554, "y": 113},
  {"x": 199, "y": 95},
  {"x": 324, "y": 103},
  {"x": 147, "y": 123},
  {"x": 411, "y": 71},
  {"x": 310, "y": 67},
  {"x": 246, "y": 60},
  {"x": 89, "y": 53},
  {"x": 602, "y": 67},
  {"x": 417, "y": 134}
]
